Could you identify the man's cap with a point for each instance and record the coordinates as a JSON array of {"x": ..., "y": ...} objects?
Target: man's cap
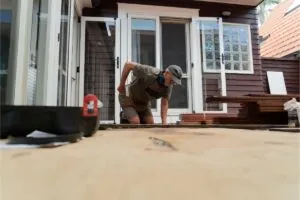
[{"x": 176, "y": 72}]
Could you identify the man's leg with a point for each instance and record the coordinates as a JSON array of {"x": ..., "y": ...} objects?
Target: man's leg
[
  {"x": 147, "y": 116},
  {"x": 131, "y": 115},
  {"x": 128, "y": 109}
]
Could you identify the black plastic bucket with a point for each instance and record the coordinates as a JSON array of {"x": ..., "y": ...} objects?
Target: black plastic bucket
[{"x": 19, "y": 121}]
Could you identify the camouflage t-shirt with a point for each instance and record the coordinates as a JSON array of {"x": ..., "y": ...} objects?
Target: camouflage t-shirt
[{"x": 144, "y": 86}]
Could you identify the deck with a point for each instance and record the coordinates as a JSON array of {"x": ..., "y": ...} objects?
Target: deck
[{"x": 124, "y": 164}]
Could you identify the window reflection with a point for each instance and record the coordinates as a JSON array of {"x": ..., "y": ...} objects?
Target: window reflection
[
  {"x": 6, "y": 20},
  {"x": 143, "y": 43},
  {"x": 37, "y": 49}
]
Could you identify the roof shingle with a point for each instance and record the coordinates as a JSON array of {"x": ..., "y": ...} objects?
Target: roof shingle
[{"x": 283, "y": 29}]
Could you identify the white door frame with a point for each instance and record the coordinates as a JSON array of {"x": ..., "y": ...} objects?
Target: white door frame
[
  {"x": 47, "y": 90},
  {"x": 70, "y": 52},
  {"x": 197, "y": 69},
  {"x": 117, "y": 61},
  {"x": 73, "y": 62},
  {"x": 125, "y": 12}
]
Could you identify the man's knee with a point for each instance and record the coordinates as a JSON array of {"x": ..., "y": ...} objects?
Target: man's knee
[
  {"x": 148, "y": 120},
  {"x": 131, "y": 115},
  {"x": 134, "y": 120},
  {"x": 147, "y": 116}
]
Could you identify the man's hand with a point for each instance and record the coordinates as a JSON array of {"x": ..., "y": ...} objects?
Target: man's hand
[
  {"x": 121, "y": 88},
  {"x": 164, "y": 110},
  {"x": 127, "y": 68}
]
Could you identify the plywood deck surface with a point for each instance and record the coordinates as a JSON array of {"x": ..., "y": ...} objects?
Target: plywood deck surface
[{"x": 210, "y": 164}]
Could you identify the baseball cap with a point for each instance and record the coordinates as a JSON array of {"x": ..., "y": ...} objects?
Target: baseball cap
[{"x": 176, "y": 72}]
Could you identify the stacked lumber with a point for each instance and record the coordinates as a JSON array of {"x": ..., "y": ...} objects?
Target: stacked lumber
[
  {"x": 255, "y": 109},
  {"x": 200, "y": 118},
  {"x": 272, "y": 103}
]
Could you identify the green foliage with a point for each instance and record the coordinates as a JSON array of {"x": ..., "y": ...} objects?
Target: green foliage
[{"x": 264, "y": 9}]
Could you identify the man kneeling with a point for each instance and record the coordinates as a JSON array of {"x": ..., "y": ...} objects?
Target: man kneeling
[{"x": 148, "y": 83}]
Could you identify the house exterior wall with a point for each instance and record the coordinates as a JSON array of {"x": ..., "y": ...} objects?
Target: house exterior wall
[
  {"x": 290, "y": 69},
  {"x": 237, "y": 84}
]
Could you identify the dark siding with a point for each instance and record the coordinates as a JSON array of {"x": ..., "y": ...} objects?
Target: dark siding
[
  {"x": 290, "y": 69},
  {"x": 237, "y": 84}
]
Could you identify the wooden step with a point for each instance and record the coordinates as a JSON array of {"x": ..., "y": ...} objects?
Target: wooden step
[
  {"x": 201, "y": 116},
  {"x": 246, "y": 99}
]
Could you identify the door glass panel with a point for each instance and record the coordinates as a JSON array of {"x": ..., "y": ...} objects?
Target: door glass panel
[
  {"x": 210, "y": 52},
  {"x": 143, "y": 41},
  {"x": 179, "y": 97},
  {"x": 237, "y": 47},
  {"x": 174, "y": 52},
  {"x": 37, "y": 56},
  {"x": 174, "y": 45},
  {"x": 99, "y": 68},
  {"x": 63, "y": 52},
  {"x": 143, "y": 37},
  {"x": 6, "y": 15}
]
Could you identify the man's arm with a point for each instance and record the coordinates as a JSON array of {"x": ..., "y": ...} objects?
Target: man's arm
[
  {"x": 138, "y": 71},
  {"x": 127, "y": 68},
  {"x": 164, "y": 109}
]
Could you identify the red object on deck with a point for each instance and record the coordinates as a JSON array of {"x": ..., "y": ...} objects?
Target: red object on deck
[{"x": 90, "y": 106}]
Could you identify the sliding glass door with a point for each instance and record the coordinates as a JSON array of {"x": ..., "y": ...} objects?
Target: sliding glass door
[{"x": 160, "y": 42}]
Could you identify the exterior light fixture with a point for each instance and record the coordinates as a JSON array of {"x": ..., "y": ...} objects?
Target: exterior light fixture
[{"x": 226, "y": 13}]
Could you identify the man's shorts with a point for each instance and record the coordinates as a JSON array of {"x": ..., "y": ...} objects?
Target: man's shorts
[
  {"x": 130, "y": 112},
  {"x": 130, "y": 109}
]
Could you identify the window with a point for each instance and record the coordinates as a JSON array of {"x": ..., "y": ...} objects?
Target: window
[
  {"x": 237, "y": 48},
  {"x": 143, "y": 41},
  {"x": 5, "y": 34},
  {"x": 210, "y": 45},
  {"x": 37, "y": 56}
]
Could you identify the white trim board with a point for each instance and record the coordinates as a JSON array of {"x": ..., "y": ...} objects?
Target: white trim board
[
  {"x": 157, "y": 10},
  {"x": 70, "y": 52}
]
